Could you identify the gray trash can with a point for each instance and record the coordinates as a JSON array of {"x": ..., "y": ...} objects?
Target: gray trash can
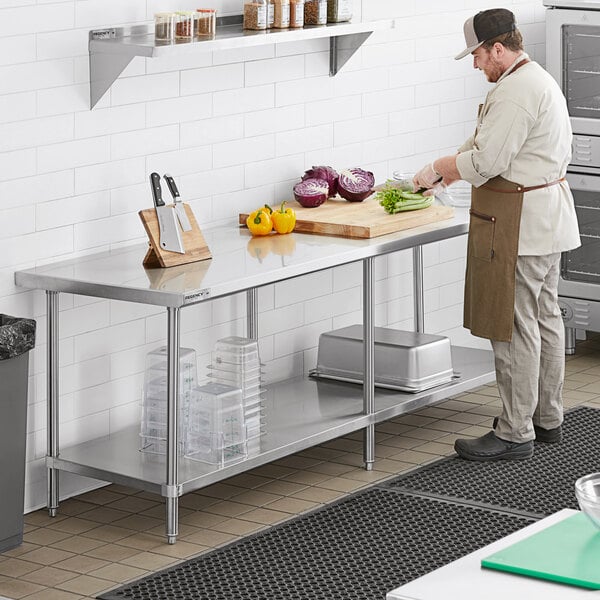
[{"x": 17, "y": 338}]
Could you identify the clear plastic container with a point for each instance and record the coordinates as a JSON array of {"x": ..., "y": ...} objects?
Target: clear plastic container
[
  {"x": 248, "y": 360},
  {"x": 250, "y": 370},
  {"x": 236, "y": 350},
  {"x": 153, "y": 431},
  {"x": 255, "y": 15},
  {"x": 216, "y": 410},
  {"x": 253, "y": 408},
  {"x": 164, "y": 26},
  {"x": 315, "y": 12},
  {"x": 296, "y": 13},
  {"x": 282, "y": 14},
  {"x": 339, "y": 11},
  {"x": 254, "y": 446},
  {"x": 153, "y": 426},
  {"x": 216, "y": 431},
  {"x": 156, "y": 366},
  {"x": 206, "y": 23},
  {"x": 185, "y": 25},
  {"x": 232, "y": 378},
  {"x": 214, "y": 450},
  {"x": 235, "y": 343}
]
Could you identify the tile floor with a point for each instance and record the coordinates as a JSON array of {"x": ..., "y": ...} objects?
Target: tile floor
[{"x": 112, "y": 535}]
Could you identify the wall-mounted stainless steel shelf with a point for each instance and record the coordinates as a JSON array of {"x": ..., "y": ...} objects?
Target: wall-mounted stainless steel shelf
[{"x": 112, "y": 49}]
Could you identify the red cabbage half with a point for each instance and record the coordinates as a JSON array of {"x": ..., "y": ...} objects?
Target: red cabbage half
[
  {"x": 322, "y": 172},
  {"x": 311, "y": 192},
  {"x": 355, "y": 184}
]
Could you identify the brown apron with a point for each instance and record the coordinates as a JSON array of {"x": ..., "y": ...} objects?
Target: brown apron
[
  {"x": 493, "y": 247},
  {"x": 492, "y": 259}
]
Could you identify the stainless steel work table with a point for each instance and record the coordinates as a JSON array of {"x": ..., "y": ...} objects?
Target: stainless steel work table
[{"x": 300, "y": 412}]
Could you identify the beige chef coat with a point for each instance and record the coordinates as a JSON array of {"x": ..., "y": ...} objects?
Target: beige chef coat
[{"x": 523, "y": 133}]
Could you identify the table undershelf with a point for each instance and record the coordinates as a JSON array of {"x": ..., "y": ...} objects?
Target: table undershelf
[{"x": 300, "y": 413}]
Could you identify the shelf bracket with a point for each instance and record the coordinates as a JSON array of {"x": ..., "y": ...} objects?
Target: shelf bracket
[
  {"x": 342, "y": 48},
  {"x": 171, "y": 491},
  {"x": 106, "y": 65}
]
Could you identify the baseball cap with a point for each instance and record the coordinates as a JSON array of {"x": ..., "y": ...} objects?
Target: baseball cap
[{"x": 484, "y": 26}]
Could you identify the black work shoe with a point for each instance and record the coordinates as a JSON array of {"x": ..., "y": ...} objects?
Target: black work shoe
[
  {"x": 548, "y": 436},
  {"x": 489, "y": 447}
]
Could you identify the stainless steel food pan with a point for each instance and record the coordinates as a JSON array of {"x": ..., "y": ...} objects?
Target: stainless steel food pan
[{"x": 404, "y": 360}]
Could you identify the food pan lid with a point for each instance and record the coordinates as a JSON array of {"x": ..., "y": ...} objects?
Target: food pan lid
[{"x": 388, "y": 336}]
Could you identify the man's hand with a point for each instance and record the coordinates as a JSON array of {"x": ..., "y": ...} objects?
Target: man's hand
[
  {"x": 426, "y": 178},
  {"x": 436, "y": 190}
]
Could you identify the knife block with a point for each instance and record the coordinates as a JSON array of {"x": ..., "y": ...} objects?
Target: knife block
[{"x": 193, "y": 241}]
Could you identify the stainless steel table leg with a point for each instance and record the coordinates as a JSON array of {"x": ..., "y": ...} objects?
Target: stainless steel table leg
[
  {"x": 369, "y": 360},
  {"x": 172, "y": 526},
  {"x": 570, "y": 340},
  {"x": 252, "y": 313},
  {"x": 419, "y": 297},
  {"x": 52, "y": 375}
]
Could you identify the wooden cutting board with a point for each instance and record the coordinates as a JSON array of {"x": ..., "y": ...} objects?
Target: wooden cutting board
[{"x": 365, "y": 219}]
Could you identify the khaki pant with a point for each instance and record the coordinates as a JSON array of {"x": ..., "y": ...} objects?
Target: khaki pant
[{"x": 530, "y": 368}]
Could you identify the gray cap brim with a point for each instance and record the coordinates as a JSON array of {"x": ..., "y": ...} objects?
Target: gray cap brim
[{"x": 467, "y": 51}]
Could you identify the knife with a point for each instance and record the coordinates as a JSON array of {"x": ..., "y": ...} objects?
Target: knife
[
  {"x": 179, "y": 208},
  {"x": 170, "y": 238},
  {"x": 424, "y": 189}
]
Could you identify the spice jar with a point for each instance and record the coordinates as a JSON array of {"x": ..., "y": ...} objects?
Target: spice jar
[
  {"x": 315, "y": 12},
  {"x": 339, "y": 11},
  {"x": 255, "y": 14},
  {"x": 296, "y": 13},
  {"x": 164, "y": 26},
  {"x": 282, "y": 14},
  {"x": 270, "y": 13},
  {"x": 184, "y": 26},
  {"x": 206, "y": 22}
]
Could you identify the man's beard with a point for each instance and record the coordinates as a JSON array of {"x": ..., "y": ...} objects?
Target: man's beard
[{"x": 495, "y": 70}]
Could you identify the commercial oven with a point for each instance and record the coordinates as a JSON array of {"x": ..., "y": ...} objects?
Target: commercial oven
[{"x": 573, "y": 59}]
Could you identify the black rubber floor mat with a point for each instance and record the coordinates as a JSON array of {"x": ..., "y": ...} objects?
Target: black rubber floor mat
[
  {"x": 538, "y": 486},
  {"x": 356, "y": 549}
]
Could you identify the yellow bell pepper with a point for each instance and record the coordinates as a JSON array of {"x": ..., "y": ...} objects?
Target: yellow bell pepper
[
  {"x": 259, "y": 222},
  {"x": 284, "y": 219}
]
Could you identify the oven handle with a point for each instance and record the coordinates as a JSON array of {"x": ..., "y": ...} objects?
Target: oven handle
[{"x": 584, "y": 181}]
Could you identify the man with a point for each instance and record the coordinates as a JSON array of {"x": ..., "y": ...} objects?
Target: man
[{"x": 522, "y": 218}]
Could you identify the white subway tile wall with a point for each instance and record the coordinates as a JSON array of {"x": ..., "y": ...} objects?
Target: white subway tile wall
[{"x": 236, "y": 128}]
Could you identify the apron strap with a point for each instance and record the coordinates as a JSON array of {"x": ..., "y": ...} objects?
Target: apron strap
[
  {"x": 519, "y": 65},
  {"x": 521, "y": 189}
]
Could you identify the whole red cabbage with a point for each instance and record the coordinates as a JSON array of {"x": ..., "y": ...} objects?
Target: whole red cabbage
[
  {"x": 322, "y": 172},
  {"x": 311, "y": 192},
  {"x": 355, "y": 184}
]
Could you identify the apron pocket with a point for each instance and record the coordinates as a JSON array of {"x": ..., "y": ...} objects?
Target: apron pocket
[{"x": 481, "y": 235}]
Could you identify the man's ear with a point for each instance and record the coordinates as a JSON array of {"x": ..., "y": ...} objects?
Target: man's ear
[{"x": 498, "y": 49}]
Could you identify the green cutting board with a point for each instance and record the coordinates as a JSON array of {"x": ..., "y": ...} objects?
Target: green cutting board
[{"x": 567, "y": 552}]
